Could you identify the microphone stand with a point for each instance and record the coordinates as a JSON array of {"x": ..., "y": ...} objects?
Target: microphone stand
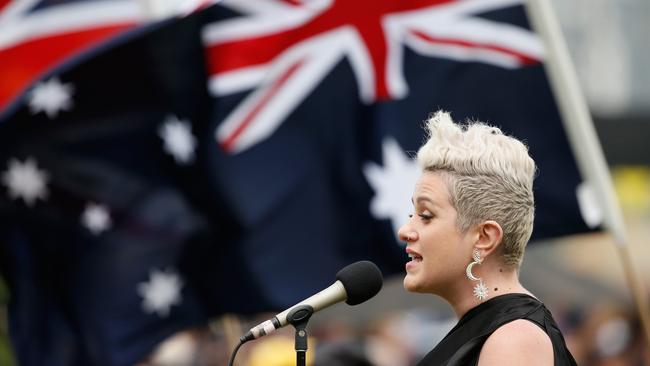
[{"x": 299, "y": 317}]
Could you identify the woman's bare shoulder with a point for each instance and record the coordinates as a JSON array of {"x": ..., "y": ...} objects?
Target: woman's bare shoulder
[{"x": 517, "y": 343}]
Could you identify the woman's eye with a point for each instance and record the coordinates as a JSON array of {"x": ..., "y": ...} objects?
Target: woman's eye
[{"x": 425, "y": 216}]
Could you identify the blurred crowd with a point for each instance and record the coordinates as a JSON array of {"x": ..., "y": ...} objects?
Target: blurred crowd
[{"x": 603, "y": 335}]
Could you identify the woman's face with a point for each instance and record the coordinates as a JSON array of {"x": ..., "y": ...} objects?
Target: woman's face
[{"x": 439, "y": 251}]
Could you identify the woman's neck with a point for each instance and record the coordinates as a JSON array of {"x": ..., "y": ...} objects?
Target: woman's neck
[{"x": 498, "y": 280}]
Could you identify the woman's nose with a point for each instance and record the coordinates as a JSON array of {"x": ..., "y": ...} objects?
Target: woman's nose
[{"x": 407, "y": 234}]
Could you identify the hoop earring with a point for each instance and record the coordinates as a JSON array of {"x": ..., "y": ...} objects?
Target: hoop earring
[{"x": 480, "y": 290}]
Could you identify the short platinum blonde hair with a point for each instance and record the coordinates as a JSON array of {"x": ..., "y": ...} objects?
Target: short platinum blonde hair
[{"x": 489, "y": 176}]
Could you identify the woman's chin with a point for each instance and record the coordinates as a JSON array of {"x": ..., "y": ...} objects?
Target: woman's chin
[{"x": 411, "y": 284}]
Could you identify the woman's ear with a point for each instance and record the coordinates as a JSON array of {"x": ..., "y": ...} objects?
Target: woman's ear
[{"x": 490, "y": 235}]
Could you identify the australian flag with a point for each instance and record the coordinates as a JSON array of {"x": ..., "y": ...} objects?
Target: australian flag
[
  {"x": 112, "y": 238},
  {"x": 233, "y": 160},
  {"x": 320, "y": 107}
]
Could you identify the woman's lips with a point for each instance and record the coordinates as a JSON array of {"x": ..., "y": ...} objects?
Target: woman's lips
[{"x": 415, "y": 258}]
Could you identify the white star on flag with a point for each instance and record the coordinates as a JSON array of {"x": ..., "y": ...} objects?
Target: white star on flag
[
  {"x": 26, "y": 181},
  {"x": 393, "y": 184},
  {"x": 178, "y": 138},
  {"x": 96, "y": 218},
  {"x": 160, "y": 292},
  {"x": 51, "y": 97}
]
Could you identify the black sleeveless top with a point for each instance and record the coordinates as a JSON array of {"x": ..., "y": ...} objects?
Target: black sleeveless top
[{"x": 462, "y": 345}]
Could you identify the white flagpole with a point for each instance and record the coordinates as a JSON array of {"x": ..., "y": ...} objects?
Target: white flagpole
[{"x": 583, "y": 139}]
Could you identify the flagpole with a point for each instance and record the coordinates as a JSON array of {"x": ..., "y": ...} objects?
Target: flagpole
[{"x": 584, "y": 141}]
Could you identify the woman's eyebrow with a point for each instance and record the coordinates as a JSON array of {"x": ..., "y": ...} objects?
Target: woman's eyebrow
[{"x": 423, "y": 199}]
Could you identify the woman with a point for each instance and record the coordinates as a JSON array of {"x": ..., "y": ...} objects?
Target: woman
[{"x": 473, "y": 216}]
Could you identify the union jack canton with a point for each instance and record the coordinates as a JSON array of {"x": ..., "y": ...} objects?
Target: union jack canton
[{"x": 283, "y": 49}]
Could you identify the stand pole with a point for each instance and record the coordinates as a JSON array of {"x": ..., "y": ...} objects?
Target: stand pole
[{"x": 299, "y": 317}]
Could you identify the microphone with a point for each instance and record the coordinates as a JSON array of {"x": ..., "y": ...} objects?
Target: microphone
[{"x": 355, "y": 284}]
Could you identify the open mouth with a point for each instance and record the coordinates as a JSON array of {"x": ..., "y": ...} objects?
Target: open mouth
[{"x": 413, "y": 256}]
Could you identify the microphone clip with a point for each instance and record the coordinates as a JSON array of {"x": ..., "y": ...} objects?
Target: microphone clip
[{"x": 299, "y": 317}]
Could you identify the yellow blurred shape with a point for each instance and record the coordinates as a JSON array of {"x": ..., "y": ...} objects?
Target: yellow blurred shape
[
  {"x": 632, "y": 185},
  {"x": 278, "y": 351}
]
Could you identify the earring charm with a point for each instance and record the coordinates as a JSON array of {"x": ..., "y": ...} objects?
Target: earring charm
[{"x": 480, "y": 290}]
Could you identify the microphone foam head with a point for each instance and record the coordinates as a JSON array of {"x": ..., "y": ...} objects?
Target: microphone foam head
[{"x": 361, "y": 280}]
